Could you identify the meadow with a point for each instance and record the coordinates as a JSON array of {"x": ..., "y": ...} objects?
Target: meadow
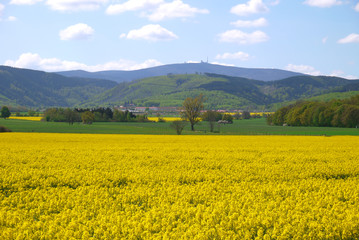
[
  {"x": 109, "y": 186},
  {"x": 239, "y": 127}
]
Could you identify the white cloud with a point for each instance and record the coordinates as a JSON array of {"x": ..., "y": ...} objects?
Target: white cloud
[
  {"x": 24, "y": 2},
  {"x": 339, "y": 73},
  {"x": 312, "y": 71},
  {"x": 175, "y": 9},
  {"x": 322, "y": 3},
  {"x": 2, "y": 7},
  {"x": 251, "y": 7},
  {"x": 351, "y": 38},
  {"x": 75, "y": 5},
  {"x": 156, "y": 10},
  {"x": 223, "y": 64},
  {"x": 356, "y": 8},
  {"x": 133, "y": 5},
  {"x": 275, "y": 3},
  {"x": 78, "y": 31},
  {"x": 216, "y": 63},
  {"x": 303, "y": 69},
  {"x": 11, "y": 19},
  {"x": 151, "y": 32},
  {"x": 26, "y": 60},
  {"x": 35, "y": 61},
  {"x": 324, "y": 40},
  {"x": 260, "y": 22},
  {"x": 237, "y": 36},
  {"x": 238, "y": 55}
]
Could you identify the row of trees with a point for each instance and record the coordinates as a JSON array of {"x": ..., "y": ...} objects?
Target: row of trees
[
  {"x": 89, "y": 116},
  {"x": 336, "y": 113}
]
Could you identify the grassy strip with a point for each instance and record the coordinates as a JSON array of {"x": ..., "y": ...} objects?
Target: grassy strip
[{"x": 239, "y": 127}]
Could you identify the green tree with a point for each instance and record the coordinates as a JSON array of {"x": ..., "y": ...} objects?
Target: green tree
[
  {"x": 212, "y": 117},
  {"x": 5, "y": 112},
  {"x": 192, "y": 109},
  {"x": 119, "y": 116},
  {"x": 350, "y": 116},
  {"x": 228, "y": 117},
  {"x": 246, "y": 115},
  {"x": 269, "y": 119},
  {"x": 71, "y": 116},
  {"x": 237, "y": 116},
  {"x": 142, "y": 118},
  {"x": 279, "y": 116},
  {"x": 87, "y": 117},
  {"x": 98, "y": 117},
  {"x": 31, "y": 113},
  {"x": 54, "y": 115}
]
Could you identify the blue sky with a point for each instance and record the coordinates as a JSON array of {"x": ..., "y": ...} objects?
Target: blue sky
[{"x": 319, "y": 37}]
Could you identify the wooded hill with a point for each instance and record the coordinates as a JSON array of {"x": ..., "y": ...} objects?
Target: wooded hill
[
  {"x": 222, "y": 91},
  {"x": 40, "y": 89}
]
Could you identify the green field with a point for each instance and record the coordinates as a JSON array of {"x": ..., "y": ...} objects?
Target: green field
[{"x": 239, "y": 127}]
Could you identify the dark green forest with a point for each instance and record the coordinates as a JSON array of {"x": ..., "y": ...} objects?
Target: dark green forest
[{"x": 335, "y": 113}]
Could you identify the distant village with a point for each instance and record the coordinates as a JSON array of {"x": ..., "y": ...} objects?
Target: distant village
[{"x": 167, "y": 110}]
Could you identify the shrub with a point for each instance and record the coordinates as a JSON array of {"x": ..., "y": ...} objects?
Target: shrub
[
  {"x": 161, "y": 120},
  {"x": 4, "y": 129}
]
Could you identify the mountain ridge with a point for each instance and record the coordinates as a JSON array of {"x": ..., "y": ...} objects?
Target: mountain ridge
[
  {"x": 40, "y": 89},
  {"x": 263, "y": 74},
  {"x": 221, "y": 91}
]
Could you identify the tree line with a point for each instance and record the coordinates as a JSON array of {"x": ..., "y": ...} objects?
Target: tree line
[
  {"x": 88, "y": 116},
  {"x": 335, "y": 113}
]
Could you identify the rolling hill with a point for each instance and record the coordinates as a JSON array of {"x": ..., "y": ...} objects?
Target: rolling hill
[
  {"x": 185, "y": 68},
  {"x": 40, "y": 89},
  {"x": 220, "y": 91}
]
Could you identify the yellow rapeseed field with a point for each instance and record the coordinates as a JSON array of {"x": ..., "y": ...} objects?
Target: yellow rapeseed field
[
  {"x": 27, "y": 118},
  {"x": 81, "y": 186},
  {"x": 167, "y": 119}
]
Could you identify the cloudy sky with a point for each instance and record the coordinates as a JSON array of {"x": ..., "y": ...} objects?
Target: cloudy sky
[{"x": 319, "y": 37}]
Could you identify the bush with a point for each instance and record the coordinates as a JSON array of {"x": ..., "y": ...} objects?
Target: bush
[
  {"x": 4, "y": 129},
  {"x": 227, "y": 117},
  {"x": 246, "y": 115},
  {"x": 161, "y": 120},
  {"x": 142, "y": 118}
]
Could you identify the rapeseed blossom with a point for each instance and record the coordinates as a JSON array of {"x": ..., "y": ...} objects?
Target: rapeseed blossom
[{"x": 61, "y": 186}]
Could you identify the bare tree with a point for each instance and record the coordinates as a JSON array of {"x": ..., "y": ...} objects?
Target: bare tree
[
  {"x": 192, "y": 109},
  {"x": 178, "y": 126}
]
